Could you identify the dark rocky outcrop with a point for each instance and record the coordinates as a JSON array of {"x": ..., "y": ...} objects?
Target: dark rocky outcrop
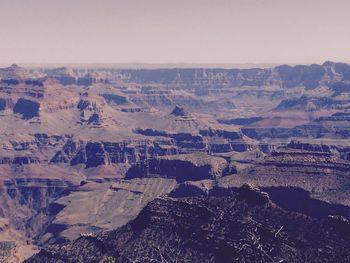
[
  {"x": 95, "y": 119},
  {"x": 179, "y": 112},
  {"x": 212, "y": 229},
  {"x": 253, "y": 195},
  {"x": 340, "y": 223}
]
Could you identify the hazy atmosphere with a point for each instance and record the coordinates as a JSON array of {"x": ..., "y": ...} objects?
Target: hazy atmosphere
[{"x": 181, "y": 31}]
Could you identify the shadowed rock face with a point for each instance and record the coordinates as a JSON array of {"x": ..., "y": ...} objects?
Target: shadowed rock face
[
  {"x": 344, "y": 70},
  {"x": 289, "y": 198},
  {"x": 309, "y": 147},
  {"x": 183, "y": 168},
  {"x": 93, "y": 154},
  {"x": 253, "y": 195},
  {"x": 180, "y": 170},
  {"x": 27, "y": 108},
  {"x": 178, "y": 111},
  {"x": 299, "y": 200},
  {"x": 112, "y": 98},
  {"x": 2, "y": 104},
  {"x": 308, "y": 76},
  {"x": 212, "y": 229},
  {"x": 340, "y": 87}
]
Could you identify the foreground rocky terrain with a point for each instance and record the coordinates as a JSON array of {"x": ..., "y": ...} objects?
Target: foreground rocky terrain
[
  {"x": 85, "y": 150},
  {"x": 236, "y": 226}
]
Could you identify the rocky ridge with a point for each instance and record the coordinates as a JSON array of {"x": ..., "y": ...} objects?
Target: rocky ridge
[{"x": 243, "y": 225}]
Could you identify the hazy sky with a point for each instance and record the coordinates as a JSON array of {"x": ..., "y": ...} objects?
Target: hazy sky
[{"x": 162, "y": 31}]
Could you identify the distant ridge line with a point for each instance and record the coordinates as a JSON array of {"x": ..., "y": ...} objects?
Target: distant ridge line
[{"x": 157, "y": 66}]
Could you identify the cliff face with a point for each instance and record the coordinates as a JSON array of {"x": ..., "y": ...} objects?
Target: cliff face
[
  {"x": 93, "y": 154},
  {"x": 189, "y": 167},
  {"x": 240, "y": 226},
  {"x": 321, "y": 173},
  {"x": 26, "y": 205},
  {"x": 287, "y": 76},
  {"x": 44, "y": 149},
  {"x": 312, "y": 104},
  {"x": 330, "y": 126},
  {"x": 205, "y": 140}
]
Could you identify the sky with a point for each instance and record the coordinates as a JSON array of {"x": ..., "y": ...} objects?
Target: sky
[{"x": 174, "y": 31}]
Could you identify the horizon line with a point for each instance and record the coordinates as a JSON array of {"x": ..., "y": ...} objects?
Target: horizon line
[{"x": 146, "y": 65}]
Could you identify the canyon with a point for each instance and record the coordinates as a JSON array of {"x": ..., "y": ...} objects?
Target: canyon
[{"x": 93, "y": 159}]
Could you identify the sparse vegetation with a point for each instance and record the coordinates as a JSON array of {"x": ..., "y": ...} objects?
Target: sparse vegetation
[{"x": 6, "y": 250}]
